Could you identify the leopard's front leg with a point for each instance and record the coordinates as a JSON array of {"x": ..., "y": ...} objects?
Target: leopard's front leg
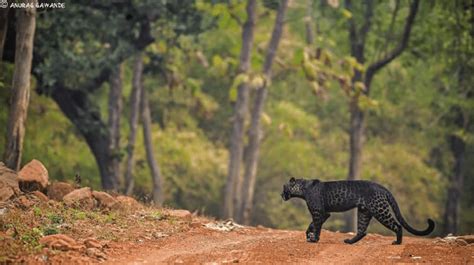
[
  {"x": 310, "y": 235},
  {"x": 314, "y": 229}
]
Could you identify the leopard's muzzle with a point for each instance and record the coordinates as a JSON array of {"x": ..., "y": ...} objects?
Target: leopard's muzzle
[{"x": 285, "y": 195}]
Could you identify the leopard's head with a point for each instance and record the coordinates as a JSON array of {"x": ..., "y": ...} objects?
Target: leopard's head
[{"x": 294, "y": 188}]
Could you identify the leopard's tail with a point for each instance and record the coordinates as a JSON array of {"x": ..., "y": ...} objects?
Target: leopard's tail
[{"x": 398, "y": 214}]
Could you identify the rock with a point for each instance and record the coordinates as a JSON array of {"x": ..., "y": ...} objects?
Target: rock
[
  {"x": 60, "y": 242},
  {"x": 195, "y": 224},
  {"x": 128, "y": 202},
  {"x": 157, "y": 235},
  {"x": 96, "y": 253},
  {"x": 224, "y": 226},
  {"x": 183, "y": 214},
  {"x": 81, "y": 198},
  {"x": 33, "y": 176},
  {"x": 105, "y": 200},
  {"x": 40, "y": 195},
  {"x": 461, "y": 242},
  {"x": 58, "y": 190},
  {"x": 8, "y": 183},
  {"x": 92, "y": 243},
  {"x": 6, "y": 192},
  {"x": 468, "y": 238}
]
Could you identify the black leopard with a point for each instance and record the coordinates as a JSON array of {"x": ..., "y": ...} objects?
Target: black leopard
[{"x": 370, "y": 199}]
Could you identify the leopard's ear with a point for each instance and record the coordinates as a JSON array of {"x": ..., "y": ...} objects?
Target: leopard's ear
[{"x": 292, "y": 180}]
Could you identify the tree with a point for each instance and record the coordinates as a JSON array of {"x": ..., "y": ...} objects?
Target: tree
[
  {"x": 357, "y": 40},
  {"x": 458, "y": 119},
  {"x": 25, "y": 32},
  {"x": 255, "y": 130},
  {"x": 308, "y": 23},
  {"x": 84, "y": 57},
  {"x": 115, "y": 111},
  {"x": 133, "y": 121},
  {"x": 232, "y": 195},
  {"x": 154, "y": 168},
  {"x": 3, "y": 28}
]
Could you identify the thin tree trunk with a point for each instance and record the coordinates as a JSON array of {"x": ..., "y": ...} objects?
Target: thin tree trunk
[
  {"x": 451, "y": 216},
  {"x": 3, "y": 28},
  {"x": 356, "y": 132},
  {"x": 234, "y": 180},
  {"x": 157, "y": 191},
  {"x": 25, "y": 31},
  {"x": 137, "y": 89},
  {"x": 115, "y": 110},
  {"x": 255, "y": 131},
  {"x": 308, "y": 22}
]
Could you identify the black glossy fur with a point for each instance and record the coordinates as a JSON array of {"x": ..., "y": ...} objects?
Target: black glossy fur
[{"x": 370, "y": 199}]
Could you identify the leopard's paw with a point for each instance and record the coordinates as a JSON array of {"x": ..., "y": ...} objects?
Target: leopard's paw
[{"x": 311, "y": 237}]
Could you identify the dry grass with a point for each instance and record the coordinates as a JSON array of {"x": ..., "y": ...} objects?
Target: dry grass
[{"x": 22, "y": 227}]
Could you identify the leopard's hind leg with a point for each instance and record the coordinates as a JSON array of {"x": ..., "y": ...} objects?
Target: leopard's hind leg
[
  {"x": 383, "y": 214},
  {"x": 363, "y": 220}
]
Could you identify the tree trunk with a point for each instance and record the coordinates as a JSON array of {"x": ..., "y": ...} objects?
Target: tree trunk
[
  {"x": 137, "y": 89},
  {"x": 157, "y": 191},
  {"x": 251, "y": 161},
  {"x": 451, "y": 215},
  {"x": 78, "y": 108},
  {"x": 115, "y": 110},
  {"x": 356, "y": 132},
  {"x": 356, "y": 135},
  {"x": 255, "y": 131},
  {"x": 308, "y": 22},
  {"x": 233, "y": 183},
  {"x": 3, "y": 28},
  {"x": 25, "y": 31}
]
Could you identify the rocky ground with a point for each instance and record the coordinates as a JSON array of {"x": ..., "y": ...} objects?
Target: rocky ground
[{"x": 63, "y": 223}]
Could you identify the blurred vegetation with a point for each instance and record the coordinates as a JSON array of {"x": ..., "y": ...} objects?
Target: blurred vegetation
[{"x": 305, "y": 134}]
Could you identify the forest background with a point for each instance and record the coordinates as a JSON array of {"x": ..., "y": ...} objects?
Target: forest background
[{"x": 374, "y": 90}]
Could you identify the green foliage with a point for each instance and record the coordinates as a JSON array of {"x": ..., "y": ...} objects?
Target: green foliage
[
  {"x": 31, "y": 238},
  {"x": 409, "y": 111},
  {"x": 60, "y": 148}
]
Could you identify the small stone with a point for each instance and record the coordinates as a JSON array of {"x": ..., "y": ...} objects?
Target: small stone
[
  {"x": 81, "y": 198},
  {"x": 8, "y": 183},
  {"x": 40, "y": 195},
  {"x": 461, "y": 242},
  {"x": 468, "y": 238},
  {"x": 195, "y": 224},
  {"x": 92, "y": 243},
  {"x": 33, "y": 176},
  {"x": 96, "y": 253},
  {"x": 104, "y": 199},
  {"x": 6, "y": 192},
  {"x": 182, "y": 214},
  {"x": 60, "y": 242},
  {"x": 128, "y": 202},
  {"x": 159, "y": 235},
  {"x": 58, "y": 190}
]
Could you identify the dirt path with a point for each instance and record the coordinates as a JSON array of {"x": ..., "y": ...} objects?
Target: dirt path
[{"x": 267, "y": 246}]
